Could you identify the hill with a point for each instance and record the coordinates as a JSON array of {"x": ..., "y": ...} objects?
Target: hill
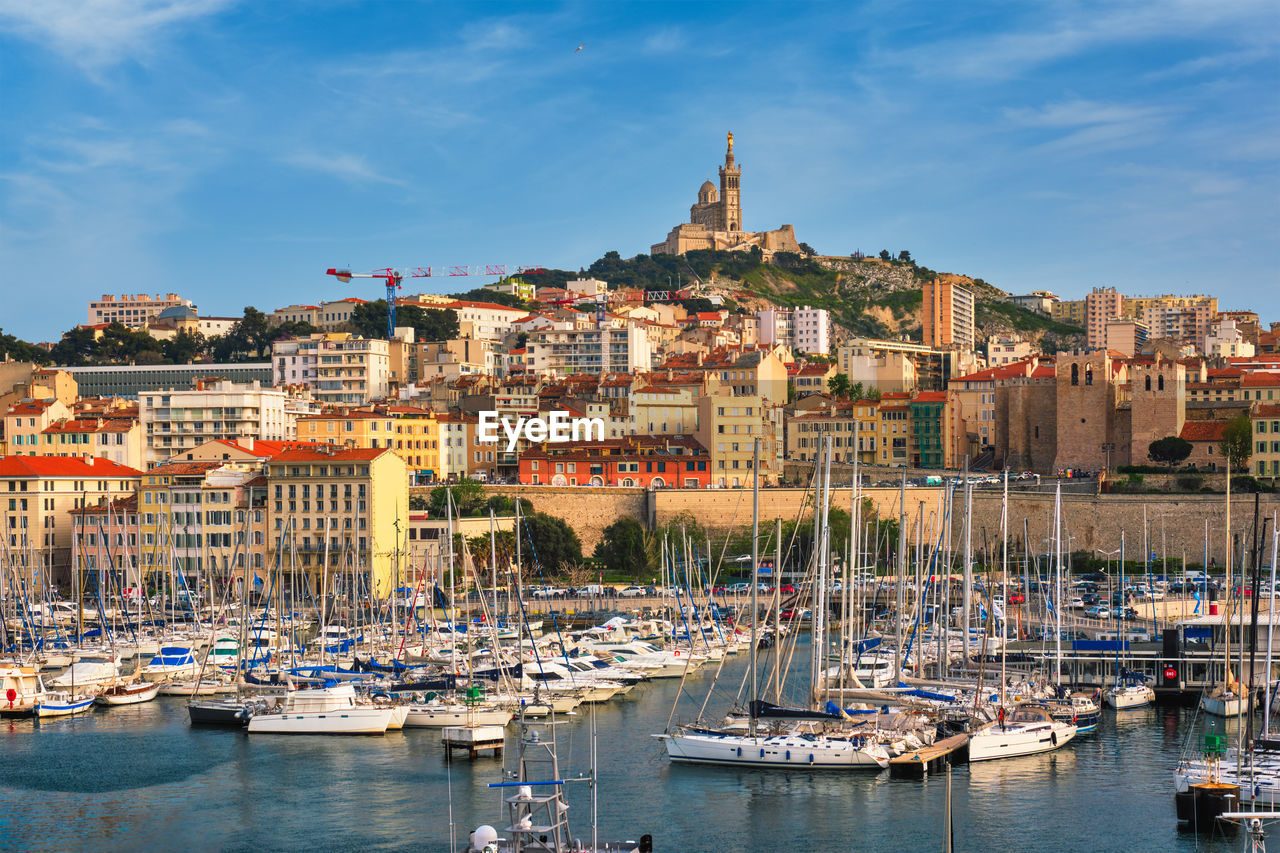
[{"x": 872, "y": 297}]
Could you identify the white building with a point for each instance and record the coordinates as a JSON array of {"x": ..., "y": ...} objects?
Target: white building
[
  {"x": 1226, "y": 339},
  {"x": 296, "y": 314},
  {"x": 1006, "y": 349},
  {"x": 803, "y": 329},
  {"x": 485, "y": 321},
  {"x": 609, "y": 350},
  {"x": 132, "y": 310},
  {"x": 175, "y": 421},
  {"x": 339, "y": 368},
  {"x": 587, "y": 286}
]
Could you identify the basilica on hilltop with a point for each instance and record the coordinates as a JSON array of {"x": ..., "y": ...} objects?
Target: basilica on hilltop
[{"x": 715, "y": 220}]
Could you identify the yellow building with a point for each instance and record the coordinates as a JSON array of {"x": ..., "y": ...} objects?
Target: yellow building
[
  {"x": 413, "y": 434},
  {"x": 895, "y": 445},
  {"x": 37, "y": 494},
  {"x": 727, "y": 428},
  {"x": 1266, "y": 440},
  {"x": 340, "y": 503},
  {"x": 851, "y": 425}
]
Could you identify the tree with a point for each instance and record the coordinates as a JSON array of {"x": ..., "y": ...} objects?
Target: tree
[
  {"x": 19, "y": 350},
  {"x": 553, "y": 544},
  {"x": 497, "y": 297},
  {"x": 624, "y": 549},
  {"x": 75, "y": 348},
  {"x": 467, "y": 496},
  {"x": 255, "y": 330},
  {"x": 183, "y": 347},
  {"x": 429, "y": 324},
  {"x": 1169, "y": 450},
  {"x": 1237, "y": 443},
  {"x": 905, "y": 256},
  {"x": 807, "y": 249},
  {"x": 503, "y": 505},
  {"x": 839, "y": 386},
  {"x": 884, "y": 254}
]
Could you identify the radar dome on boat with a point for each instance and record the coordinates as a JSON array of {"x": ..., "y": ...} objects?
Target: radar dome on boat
[{"x": 483, "y": 837}]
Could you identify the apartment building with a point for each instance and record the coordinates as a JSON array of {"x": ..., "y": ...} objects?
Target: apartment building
[
  {"x": 296, "y": 314},
  {"x": 340, "y": 369},
  {"x": 1101, "y": 305},
  {"x": 851, "y": 426},
  {"x": 132, "y": 310},
  {"x": 343, "y": 503},
  {"x": 664, "y": 409},
  {"x": 177, "y": 421},
  {"x": 453, "y": 358},
  {"x": 806, "y": 329},
  {"x": 105, "y": 546},
  {"x": 1125, "y": 336},
  {"x": 486, "y": 321},
  {"x": 26, "y": 421},
  {"x": 1227, "y": 340},
  {"x": 727, "y": 428},
  {"x": 894, "y": 415},
  {"x": 187, "y": 521},
  {"x": 931, "y": 422},
  {"x": 1006, "y": 349},
  {"x": 947, "y": 315},
  {"x": 1070, "y": 311},
  {"x": 335, "y": 315},
  {"x": 412, "y": 433},
  {"x": 117, "y": 439},
  {"x": 561, "y": 351},
  {"x": 133, "y": 380},
  {"x": 37, "y": 494},
  {"x": 649, "y": 462},
  {"x": 1266, "y": 435}
]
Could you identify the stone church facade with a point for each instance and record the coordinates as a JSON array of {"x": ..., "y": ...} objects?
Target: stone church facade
[{"x": 715, "y": 220}]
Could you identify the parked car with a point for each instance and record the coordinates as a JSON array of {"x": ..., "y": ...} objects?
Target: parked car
[
  {"x": 741, "y": 588},
  {"x": 1098, "y": 611},
  {"x": 631, "y": 592},
  {"x": 1076, "y": 603},
  {"x": 1017, "y": 598},
  {"x": 787, "y": 589}
]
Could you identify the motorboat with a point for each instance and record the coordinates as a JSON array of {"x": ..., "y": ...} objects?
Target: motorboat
[
  {"x": 325, "y": 711},
  {"x": 233, "y": 713},
  {"x": 1024, "y": 730},
  {"x": 21, "y": 691},
  {"x": 1125, "y": 696},
  {"x": 62, "y": 704}
]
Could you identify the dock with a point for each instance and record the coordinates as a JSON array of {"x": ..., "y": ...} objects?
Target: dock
[
  {"x": 931, "y": 759},
  {"x": 473, "y": 739}
]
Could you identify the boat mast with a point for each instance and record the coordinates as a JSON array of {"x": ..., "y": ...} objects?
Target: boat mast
[
  {"x": 777, "y": 611},
  {"x": 1004, "y": 583},
  {"x": 1057, "y": 590},
  {"x": 902, "y": 576},
  {"x": 1271, "y": 621},
  {"x": 755, "y": 576}
]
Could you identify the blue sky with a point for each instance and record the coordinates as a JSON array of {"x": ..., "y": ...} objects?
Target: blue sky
[{"x": 232, "y": 151}]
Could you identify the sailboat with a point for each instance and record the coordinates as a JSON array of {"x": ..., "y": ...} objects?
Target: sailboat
[
  {"x": 1018, "y": 729},
  {"x": 1229, "y": 699},
  {"x": 800, "y": 748},
  {"x": 1128, "y": 690}
]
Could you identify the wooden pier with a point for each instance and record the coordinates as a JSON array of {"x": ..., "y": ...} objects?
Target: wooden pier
[
  {"x": 931, "y": 759},
  {"x": 473, "y": 739}
]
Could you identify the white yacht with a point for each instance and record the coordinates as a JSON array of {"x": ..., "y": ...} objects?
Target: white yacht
[
  {"x": 21, "y": 691},
  {"x": 1125, "y": 696},
  {"x": 89, "y": 670},
  {"x": 322, "y": 711},
  {"x": 171, "y": 662},
  {"x": 1023, "y": 731},
  {"x": 791, "y": 751}
]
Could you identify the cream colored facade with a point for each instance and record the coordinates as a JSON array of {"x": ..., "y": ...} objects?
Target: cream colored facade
[
  {"x": 664, "y": 410},
  {"x": 36, "y": 496},
  {"x": 176, "y": 421},
  {"x": 453, "y": 358},
  {"x": 336, "y": 314},
  {"x": 561, "y": 352},
  {"x": 26, "y": 421},
  {"x": 852, "y": 428},
  {"x": 412, "y": 434},
  {"x": 884, "y": 365},
  {"x": 132, "y": 309},
  {"x": 727, "y": 428},
  {"x": 894, "y": 439},
  {"x": 188, "y": 521},
  {"x": 117, "y": 439},
  {"x": 340, "y": 504},
  {"x": 340, "y": 369}
]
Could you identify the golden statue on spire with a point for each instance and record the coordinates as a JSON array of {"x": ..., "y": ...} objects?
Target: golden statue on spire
[{"x": 731, "y": 140}]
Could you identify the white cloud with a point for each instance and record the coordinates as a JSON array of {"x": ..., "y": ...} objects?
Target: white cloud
[
  {"x": 348, "y": 167},
  {"x": 98, "y": 33},
  {"x": 1091, "y": 126},
  {"x": 666, "y": 40}
]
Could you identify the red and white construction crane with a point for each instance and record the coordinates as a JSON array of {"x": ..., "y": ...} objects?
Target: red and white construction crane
[{"x": 393, "y": 277}]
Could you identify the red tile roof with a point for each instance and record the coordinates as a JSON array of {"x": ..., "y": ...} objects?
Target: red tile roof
[
  {"x": 931, "y": 397},
  {"x": 63, "y": 466},
  {"x": 358, "y": 454},
  {"x": 1203, "y": 430},
  {"x": 1267, "y": 411}
]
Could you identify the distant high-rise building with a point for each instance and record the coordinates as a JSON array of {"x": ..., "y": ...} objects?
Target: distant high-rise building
[
  {"x": 1101, "y": 305},
  {"x": 948, "y": 316}
]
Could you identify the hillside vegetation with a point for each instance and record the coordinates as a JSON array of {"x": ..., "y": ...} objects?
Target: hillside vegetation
[{"x": 866, "y": 296}]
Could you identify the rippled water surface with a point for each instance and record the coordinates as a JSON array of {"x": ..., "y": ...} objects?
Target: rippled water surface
[{"x": 140, "y": 778}]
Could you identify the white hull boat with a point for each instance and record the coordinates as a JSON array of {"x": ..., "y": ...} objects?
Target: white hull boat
[
  {"x": 1131, "y": 696},
  {"x": 63, "y": 705},
  {"x": 87, "y": 671},
  {"x": 791, "y": 751},
  {"x": 323, "y": 711},
  {"x": 21, "y": 691},
  {"x": 442, "y": 715},
  {"x": 1223, "y": 703},
  {"x": 128, "y": 694},
  {"x": 1026, "y": 731}
]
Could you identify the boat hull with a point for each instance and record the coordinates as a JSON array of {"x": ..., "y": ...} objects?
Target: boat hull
[
  {"x": 994, "y": 743},
  {"x": 226, "y": 714},
  {"x": 348, "y": 721},
  {"x": 440, "y": 716},
  {"x": 781, "y": 752},
  {"x": 133, "y": 694}
]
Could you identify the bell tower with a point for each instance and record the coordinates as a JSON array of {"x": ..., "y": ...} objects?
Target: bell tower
[{"x": 730, "y": 218}]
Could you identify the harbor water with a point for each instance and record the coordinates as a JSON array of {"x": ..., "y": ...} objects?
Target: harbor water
[{"x": 141, "y": 778}]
